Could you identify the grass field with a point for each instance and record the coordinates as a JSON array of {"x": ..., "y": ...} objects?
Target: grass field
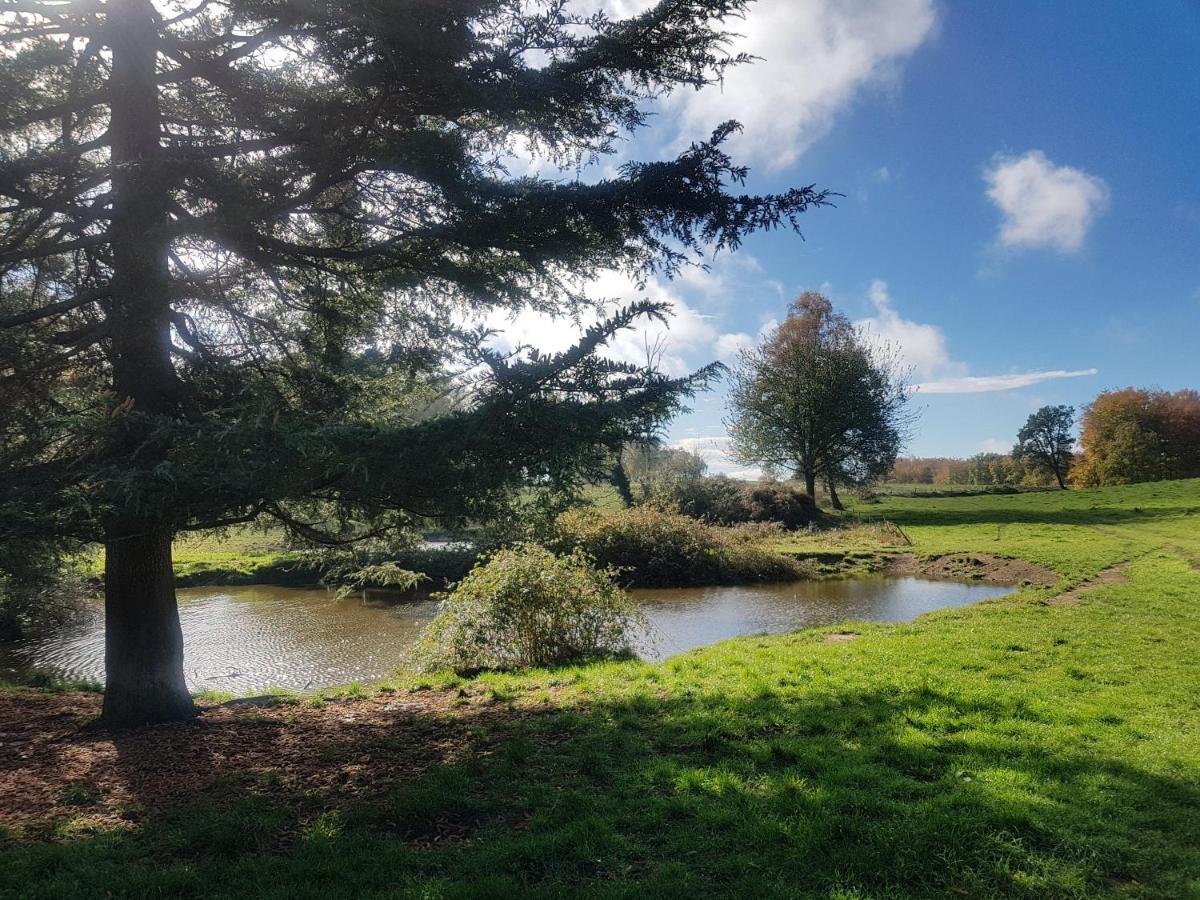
[{"x": 1025, "y": 747}]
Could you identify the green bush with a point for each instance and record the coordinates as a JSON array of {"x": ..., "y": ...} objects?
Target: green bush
[
  {"x": 724, "y": 501},
  {"x": 780, "y": 503},
  {"x": 717, "y": 499},
  {"x": 525, "y": 606},
  {"x": 653, "y": 548}
]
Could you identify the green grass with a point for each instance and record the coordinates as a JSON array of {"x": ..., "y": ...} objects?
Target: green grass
[
  {"x": 1011, "y": 749},
  {"x": 238, "y": 555}
]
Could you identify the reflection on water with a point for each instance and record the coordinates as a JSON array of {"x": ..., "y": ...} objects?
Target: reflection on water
[
  {"x": 684, "y": 618},
  {"x": 247, "y": 639}
]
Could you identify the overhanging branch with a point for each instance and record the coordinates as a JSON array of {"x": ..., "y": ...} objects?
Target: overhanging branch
[{"x": 55, "y": 309}]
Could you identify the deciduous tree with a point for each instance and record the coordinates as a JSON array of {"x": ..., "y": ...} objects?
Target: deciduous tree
[
  {"x": 1046, "y": 440},
  {"x": 818, "y": 399},
  {"x": 1134, "y": 435}
]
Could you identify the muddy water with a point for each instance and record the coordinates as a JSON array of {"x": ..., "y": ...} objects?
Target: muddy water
[{"x": 247, "y": 639}]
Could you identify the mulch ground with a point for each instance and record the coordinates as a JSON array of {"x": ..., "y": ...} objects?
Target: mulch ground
[{"x": 56, "y": 763}]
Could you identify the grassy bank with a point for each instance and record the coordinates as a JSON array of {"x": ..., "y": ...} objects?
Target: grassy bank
[{"x": 1040, "y": 745}]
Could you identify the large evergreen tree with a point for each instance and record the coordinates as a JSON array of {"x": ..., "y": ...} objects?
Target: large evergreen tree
[{"x": 236, "y": 238}]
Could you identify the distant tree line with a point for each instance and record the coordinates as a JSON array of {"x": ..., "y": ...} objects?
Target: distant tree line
[
  {"x": 982, "y": 469},
  {"x": 1127, "y": 436}
]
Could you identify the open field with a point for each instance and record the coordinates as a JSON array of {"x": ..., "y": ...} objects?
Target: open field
[{"x": 1042, "y": 745}]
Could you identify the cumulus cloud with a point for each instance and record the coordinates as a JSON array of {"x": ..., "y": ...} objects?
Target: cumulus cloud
[
  {"x": 1044, "y": 205},
  {"x": 983, "y": 384},
  {"x": 728, "y": 346},
  {"x": 922, "y": 347},
  {"x": 815, "y": 56}
]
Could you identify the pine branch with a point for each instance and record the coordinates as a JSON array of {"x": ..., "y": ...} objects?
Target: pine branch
[{"x": 55, "y": 309}]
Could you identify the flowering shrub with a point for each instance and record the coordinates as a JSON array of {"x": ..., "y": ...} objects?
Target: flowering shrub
[{"x": 525, "y": 606}]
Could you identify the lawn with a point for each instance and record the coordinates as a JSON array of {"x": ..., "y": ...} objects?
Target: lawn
[{"x": 1025, "y": 747}]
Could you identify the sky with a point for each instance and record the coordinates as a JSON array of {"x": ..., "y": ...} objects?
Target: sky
[{"x": 1020, "y": 209}]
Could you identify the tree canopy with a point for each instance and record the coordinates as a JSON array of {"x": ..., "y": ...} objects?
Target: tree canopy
[
  {"x": 1047, "y": 440},
  {"x": 1135, "y": 435},
  {"x": 819, "y": 399},
  {"x": 240, "y": 239}
]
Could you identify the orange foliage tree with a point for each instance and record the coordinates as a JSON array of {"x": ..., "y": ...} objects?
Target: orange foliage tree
[{"x": 1135, "y": 435}]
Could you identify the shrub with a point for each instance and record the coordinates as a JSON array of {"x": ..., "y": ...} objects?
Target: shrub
[
  {"x": 782, "y": 504},
  {"x": 717, "y": 499},
  {"x": 653, "y": 548},
  {"x": 525, "y": 606},
  {"x": 723, "y": 501}
]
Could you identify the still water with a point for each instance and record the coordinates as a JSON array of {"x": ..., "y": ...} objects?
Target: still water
[{"x": 247, "y": 639}]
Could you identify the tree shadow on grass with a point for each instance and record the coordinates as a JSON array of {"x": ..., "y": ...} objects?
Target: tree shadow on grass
[
  {"x": 1015, "y": 515},
  {"x": 900, "y": 792}
]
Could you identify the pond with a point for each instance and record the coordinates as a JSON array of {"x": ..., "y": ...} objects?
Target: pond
[{"x": 248, "y": 639}]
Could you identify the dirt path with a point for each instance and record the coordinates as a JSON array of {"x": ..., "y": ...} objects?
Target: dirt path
[{"x": 1110, "y": 576}]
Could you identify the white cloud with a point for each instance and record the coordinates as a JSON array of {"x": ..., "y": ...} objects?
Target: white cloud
[
  {"x": 923, "y": 347},
  {"x": 715, "y": 452},
  {"x": 685, "y": 335},
  {"x": 728, "y": 346},
  {"x": 815, "y": 57},
  {"x": 1044, "y": 205},
  {"x": 993, "y": 445},
  {"x": 982, "y": 384}
]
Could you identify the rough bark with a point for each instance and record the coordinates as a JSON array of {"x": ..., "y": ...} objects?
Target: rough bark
[
  {"x": 810, "y": 485},
  {"x": 143, "y": 643},
  {"x": 144, "y": 679}
]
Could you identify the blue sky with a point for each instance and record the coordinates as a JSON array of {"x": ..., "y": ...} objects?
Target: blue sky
[{"x": 1022, "y": 201}]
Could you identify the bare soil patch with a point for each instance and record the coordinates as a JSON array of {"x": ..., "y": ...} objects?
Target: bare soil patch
[
  {"x": 840, "y": 637},
  {"x": 1110, "y": 576},
  {"x": 974, "y": 567}
]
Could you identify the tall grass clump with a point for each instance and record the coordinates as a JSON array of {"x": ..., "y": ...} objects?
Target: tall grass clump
[
  {"x": 526, "y": 606},
  {"x": 653, "y": 548}
]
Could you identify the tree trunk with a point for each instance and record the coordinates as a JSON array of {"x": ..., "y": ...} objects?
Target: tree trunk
[
  {"x": 143, "y": 643},
  {"x": 1057, "y": 474},
  {"x": 810, "y": 485},
  {"x": 620, "y": 480},
  {"x": 833, "y": 496}
]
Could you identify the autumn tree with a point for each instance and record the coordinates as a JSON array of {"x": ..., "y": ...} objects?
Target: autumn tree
[
  {"x": 1046, "y": 441},
  {"x": 818, "y": 399},
  {"x": 1134, "y": 435},
  {"x": 239, "y": 240}
]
